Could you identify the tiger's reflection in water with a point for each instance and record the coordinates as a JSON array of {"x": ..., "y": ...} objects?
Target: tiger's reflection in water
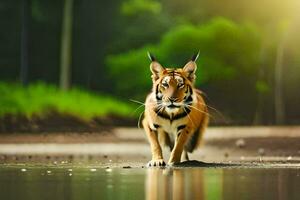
[{"x": 174, "y": 184}]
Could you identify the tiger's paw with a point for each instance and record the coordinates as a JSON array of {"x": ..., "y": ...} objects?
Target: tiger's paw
[
  {"x": 156, "y": 163},
  {"x": 173, "y": 163}
]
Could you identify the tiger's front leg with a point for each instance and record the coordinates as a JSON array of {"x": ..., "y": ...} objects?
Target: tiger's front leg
[
  {"x": 157, "y": 157},
  {"x": 181, "y": 139}
]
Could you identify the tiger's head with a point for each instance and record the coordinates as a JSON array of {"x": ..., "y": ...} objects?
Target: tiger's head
[{"x": 173, "y": 87}]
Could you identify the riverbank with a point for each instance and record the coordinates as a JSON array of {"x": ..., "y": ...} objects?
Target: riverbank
[
  {"x": 128, "y": 145},
  {"x": 41, "y": 107}
]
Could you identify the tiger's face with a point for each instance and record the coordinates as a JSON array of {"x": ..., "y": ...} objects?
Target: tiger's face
[{"x": 173, "y": 87}]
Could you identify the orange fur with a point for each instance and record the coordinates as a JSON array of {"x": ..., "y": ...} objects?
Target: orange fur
[{"x": 175, "y": 113}]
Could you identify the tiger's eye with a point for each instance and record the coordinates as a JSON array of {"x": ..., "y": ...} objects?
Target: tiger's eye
[
  {"x": 165, "y": 85},
  {"x": 180, "y": 85}
]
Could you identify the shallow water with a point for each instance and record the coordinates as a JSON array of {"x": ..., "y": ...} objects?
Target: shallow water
[{"x": 48, "y": 182}]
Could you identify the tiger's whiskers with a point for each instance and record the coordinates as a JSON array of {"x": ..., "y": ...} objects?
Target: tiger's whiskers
[
  {"x": 159, "y": 106},
  {"x": 189, "y": 116},
  {"x": 217, "y": 111},
  {"x": 142, "y": 104}
]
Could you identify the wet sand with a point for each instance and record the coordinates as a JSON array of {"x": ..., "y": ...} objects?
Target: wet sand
[{"x": 128, "y": 147}]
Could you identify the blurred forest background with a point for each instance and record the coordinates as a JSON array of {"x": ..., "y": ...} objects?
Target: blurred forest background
[{"x": 88, "y": 58}]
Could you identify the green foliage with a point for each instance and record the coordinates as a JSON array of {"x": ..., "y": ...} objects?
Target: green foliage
[
  {"x": 262, "y": 87},
  {"x": 227, "y": 50},
  {"x": 40, "y": 98},
  {"x": 133, "y": 7},
  {"x": 142, "y": 22},
  {"x": 36, "y": 11}
]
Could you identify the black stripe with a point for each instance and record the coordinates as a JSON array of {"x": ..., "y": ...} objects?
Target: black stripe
[
  {"x": 175, "y": 117},
  {"x": 173, "y": 73},
  {"x": 193, "y": 141},
  {"x": 181, "y": 127},
  {"x": 183, "y": 114},
  {"x": 156, "y": 90},
  {"x": 162, "y": 115},
  {"x": 191, "y": 90},
  {"x": 189, "y": 99},
  {"x": 156, "y": 94}
]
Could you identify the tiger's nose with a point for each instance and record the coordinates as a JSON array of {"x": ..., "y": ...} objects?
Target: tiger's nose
[{"x": 173, "y": 99}]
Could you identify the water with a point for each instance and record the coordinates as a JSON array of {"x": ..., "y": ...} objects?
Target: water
[{"x": 55, "y": 183}]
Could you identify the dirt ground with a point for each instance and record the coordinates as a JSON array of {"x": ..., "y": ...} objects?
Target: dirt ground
[{"x": 128, "y": 146}]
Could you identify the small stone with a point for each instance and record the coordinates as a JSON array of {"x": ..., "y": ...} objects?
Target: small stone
[
  {"x": 70, "y": 170},
  {"x": 108, "y": 170},
  {"x": 289, "y": 158},
  {"x": 70, "y": 174},
  {"x": 93, "y": 170},
  {"x": 105, "y": 156},
  {"x": 226, "y": 155},
  {"x": 242, "y": 158},
  {"x": 23, "y": 170},
  {"x": 126, "y": 167},
  {"x": 48, "y": 172},
  {"x": 240, "y": 143}
]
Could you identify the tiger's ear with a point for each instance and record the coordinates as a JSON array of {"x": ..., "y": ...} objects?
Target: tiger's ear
[
  {"x": 155, "y": 67},
  {"x": 191, "y": 67}
]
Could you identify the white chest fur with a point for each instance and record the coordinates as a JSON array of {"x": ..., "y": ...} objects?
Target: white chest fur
[{"x": 171, "y": 127}]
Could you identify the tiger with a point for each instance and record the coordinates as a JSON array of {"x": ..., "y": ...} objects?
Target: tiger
[{"x": 176, "y": 114}]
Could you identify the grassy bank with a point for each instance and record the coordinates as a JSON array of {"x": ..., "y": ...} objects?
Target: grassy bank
[{"x": 39, "y": 99}]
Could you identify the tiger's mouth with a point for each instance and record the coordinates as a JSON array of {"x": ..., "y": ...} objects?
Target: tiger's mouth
[{"x": 173, "y": 106}]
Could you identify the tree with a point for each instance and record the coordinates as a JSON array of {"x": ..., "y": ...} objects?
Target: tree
[
  {"x": 278, "y": 90},
  {"x": 24, "y": 42},
  {"x": 66, "y": 46}
]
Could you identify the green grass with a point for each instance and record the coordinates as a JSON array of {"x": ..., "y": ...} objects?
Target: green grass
[{"x": 40, "y": 98}]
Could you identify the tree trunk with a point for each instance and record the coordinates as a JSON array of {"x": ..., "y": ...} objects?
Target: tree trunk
[
  {"x": 66, "y": 46},
  {"x": 258, "y": 119},
  {"x": 24, "y": 42},
  {"x": 278, "y": 92}
]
